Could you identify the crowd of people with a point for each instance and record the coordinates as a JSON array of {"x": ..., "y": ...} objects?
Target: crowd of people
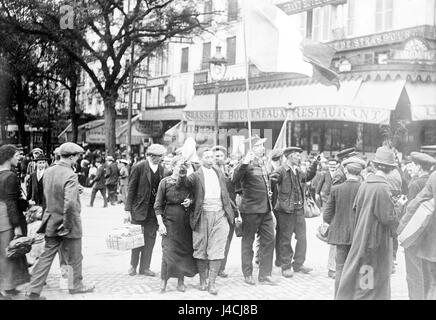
[{"x": 197, "y": 200}]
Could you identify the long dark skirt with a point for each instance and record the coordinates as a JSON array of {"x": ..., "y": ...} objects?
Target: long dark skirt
[
  {"x": 177, "y": 251},
  {"x": 13, "y": 272}
]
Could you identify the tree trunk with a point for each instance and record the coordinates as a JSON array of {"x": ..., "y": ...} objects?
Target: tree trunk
[
  {"x": 73, "y": 114},
  {"x": 109, "y": 119}
]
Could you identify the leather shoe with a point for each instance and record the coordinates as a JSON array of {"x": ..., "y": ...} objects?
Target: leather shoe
[
  {"x": 278, "y": 263},
  {"x": 82, "y": 289},
  {"x": 303, "y": 269},
  {"x": 249, "y": 280},
  {"x": 181, "y": 287},
  {"x": 267, "y": 280},
  {"x": 147, "y": 273},
  {"x": 34, "y": 296},
  {"x": 132, "y": 271},
  {"x": 331, "y": 274},
  {"x": 223, "y": 274},
  {"x": 288, "y": 273}
]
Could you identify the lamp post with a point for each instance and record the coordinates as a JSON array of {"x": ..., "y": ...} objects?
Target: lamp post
[{"x": 217, "y": 68}]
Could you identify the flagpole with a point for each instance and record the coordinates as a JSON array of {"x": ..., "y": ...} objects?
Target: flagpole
[{"x": 246, "y": 78}]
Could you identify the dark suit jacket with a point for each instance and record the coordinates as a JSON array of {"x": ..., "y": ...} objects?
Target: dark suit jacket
[
  {"x": 35, "y": 190},
  {"x": 112, "y": 174},
  {"x": 139, "y": 191},
  {"x": 196, "y": 181},
  {"x": 99, "y": 181},
  {"x": 61, "y": 192},
  {"x": 324, "y": 184}
]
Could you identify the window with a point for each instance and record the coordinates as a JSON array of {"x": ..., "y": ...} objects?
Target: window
[
  {"x": 207, "y": 11},
  {"x": 206, "y": 56},
  {"x": 148, "y": 98},
  {"x": 383, "y": 15},
  {"x": 160, "y": 96},
  {"x": 302, "y": 27},
  {"x": 351, "y": 20},
  {"x": 321, "y": 23},
  {"x": 185, "y": 60},
  {"x": 231, "y": 50},
  {"x": 232, "y": 6},
  {"x": 309, "y": 24}
]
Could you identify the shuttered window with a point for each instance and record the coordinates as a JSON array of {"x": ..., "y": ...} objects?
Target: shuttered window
[
  {"x": 206, "y": 56},
  {"x": 185, "y": 60},
  {"x": 231, "y": 50}
]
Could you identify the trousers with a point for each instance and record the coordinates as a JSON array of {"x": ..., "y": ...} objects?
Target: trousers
[
  {"x": 341, "y": 255},
  {"x": 112, "y": 193},
  {"x": 289, "y": 224},
  {"x": 414, "y": 275},
  {"x": 103, "y": 194},
  {"x": 429, "y": 275},
  {"x": 142, "y": 255},
  {"x": 72, "y": 253},
  {"x": 229, "y": 241},
  {"x": 263, "y": 224}
]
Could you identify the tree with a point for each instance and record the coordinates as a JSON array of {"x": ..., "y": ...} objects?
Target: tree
[{"x": 103, "y": 31}]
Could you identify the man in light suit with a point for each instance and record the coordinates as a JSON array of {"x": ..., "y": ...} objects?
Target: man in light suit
[
  {"x": 61, "y": 223},
  {"x": 142, "y": 189}
]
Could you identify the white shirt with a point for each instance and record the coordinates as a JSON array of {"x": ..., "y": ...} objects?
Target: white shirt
[
  {"x": 212, "y": 189},
  {"x": 39, "y": 174},
  {"x": 153, "y": 166}
]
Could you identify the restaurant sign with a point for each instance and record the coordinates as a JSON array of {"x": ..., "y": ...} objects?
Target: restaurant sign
[
  {"x": 306, "y": 113},
  {"x": 296, "y": 6}
]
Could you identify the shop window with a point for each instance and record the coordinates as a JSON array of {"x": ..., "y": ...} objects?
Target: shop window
[
  {"x": 383, "y": 15},
  {"x": 231, "y": 50},
  {"x": 206, "y": 56},
  {"x": 185, "y": 60}
]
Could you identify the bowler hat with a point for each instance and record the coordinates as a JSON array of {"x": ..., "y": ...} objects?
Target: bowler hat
[
  {"x": 422, "y": 158},
  {"x": 346, "y": 153},
  {"x": 384, "y": 156},
  {"x": 69, "y": 149},
  {"x": 290, "y": 150}
]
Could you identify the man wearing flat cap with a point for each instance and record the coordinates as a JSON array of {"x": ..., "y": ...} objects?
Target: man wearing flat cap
[
  {"x": 290, "y": 210},
  {"x": 420, "y": 172},
  {"x": 112, "y": 176},
  {"x": 256, "y": 213},
  {"x": 61, "y": 223},
  {"x": 142, "y": 189},
  {"x": 339, "y": 214},
  {"x": 425, "y": 246},
  {"x": 339, "y": 175}
]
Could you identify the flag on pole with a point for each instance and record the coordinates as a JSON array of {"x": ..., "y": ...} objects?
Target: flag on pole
[
  {"x": 275, "y": 44},
  {"x": 281, "y": 139}
]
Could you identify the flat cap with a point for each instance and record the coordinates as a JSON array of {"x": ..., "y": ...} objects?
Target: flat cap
[
  {"x": 422, "y": 158},
  {"x": 276, "y": 154},
  {"x": 355, "y": 163},
  {"x": 69, "y": 149},
  {"x": 110, "y": 158},
  {"x": 124, "y": 161},
  {"x": 431, "y": 150},
  {"x": 156, "y": 149},
  {"x": 37, "y": 150},
  {"x": 290, "y": 150},
  {"x": 57, "y": 151},
  {"x": 346, "y": 153}
]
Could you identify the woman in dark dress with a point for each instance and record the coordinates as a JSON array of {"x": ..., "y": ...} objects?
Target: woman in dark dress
[
  {"x": 172, "y": 211},
  {"x": 13, "y": 272}
]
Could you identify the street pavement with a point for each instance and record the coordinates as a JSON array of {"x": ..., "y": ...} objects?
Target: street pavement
[{"x": 107, "y": 269}]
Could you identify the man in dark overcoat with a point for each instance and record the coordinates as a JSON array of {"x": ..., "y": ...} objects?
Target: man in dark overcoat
[
  {"x": 142, "y": 189},
  {"x": 367, "y": 271},
  {"x": 339, "y": 214},
  {"x": 112, "y": 177},
  {"x": 99, "y": 183}
]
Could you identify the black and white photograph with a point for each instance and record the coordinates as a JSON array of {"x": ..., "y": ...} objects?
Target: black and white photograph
[{"x": 208, "y": 150}]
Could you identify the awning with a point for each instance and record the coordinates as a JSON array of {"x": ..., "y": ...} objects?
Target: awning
[
  {"x": 310, "y": 102},
  {"x": 163, "y": 114},
  {"x": 422, "y": 98}
]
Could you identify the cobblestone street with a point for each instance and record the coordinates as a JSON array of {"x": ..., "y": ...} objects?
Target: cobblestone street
[{"x": 107, "y": 269}]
